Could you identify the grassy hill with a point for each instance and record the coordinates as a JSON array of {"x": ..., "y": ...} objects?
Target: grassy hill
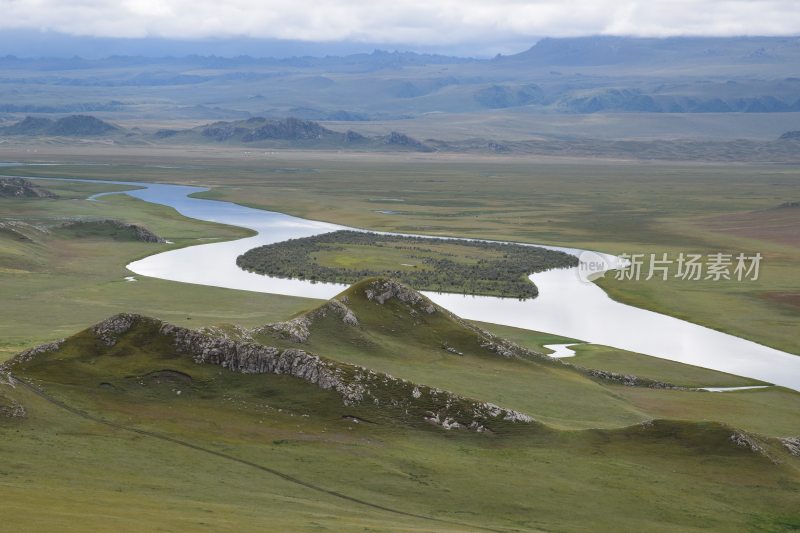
[
  {"x": 401, "y": 338},
  {"x": 177, "y": 429},
  {"x": 22, "y": 188}
]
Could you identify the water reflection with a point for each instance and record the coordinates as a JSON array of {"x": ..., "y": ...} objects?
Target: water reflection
[{"x": 566, "y": 305}]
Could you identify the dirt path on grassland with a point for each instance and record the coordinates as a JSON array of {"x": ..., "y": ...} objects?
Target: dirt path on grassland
[{"x": 286, "y": 477}]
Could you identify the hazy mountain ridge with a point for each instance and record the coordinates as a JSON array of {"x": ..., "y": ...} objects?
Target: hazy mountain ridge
[
  {"x": 296, "y": 133},
  {"x": 610, "y": 50},
  {"x": 68, "y": 126},
  {"x": 580, "y": 75}
]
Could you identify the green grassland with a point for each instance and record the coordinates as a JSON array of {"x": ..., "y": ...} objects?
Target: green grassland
[
  {"x": 252, "y": 452},
  {"x": 746, "y": 309},
  {"x": 57, "y": 284},
  {"x": 612, "y": 206},
  {"x": 439, "y": 351},
  {"x": 54, "y": 283},
  {"x": 533, "y": 340},
  {"x": 621, "y": 361}
]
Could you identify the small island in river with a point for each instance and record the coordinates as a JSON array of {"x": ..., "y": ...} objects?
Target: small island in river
[{"x": 425, "y": 263}]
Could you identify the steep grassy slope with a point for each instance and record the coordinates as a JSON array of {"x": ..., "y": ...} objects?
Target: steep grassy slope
[
  {"x": 399, "y": 336},
  {"x": 382, "y": 325},
  {"x": 160, "y": 439},
  {"x": 126, "y": 343}
]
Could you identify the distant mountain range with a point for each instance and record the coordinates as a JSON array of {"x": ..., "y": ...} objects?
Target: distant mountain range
[
  {"x": 296, "y": 133},
  {"x": 573, "y": 76},
  {"x": 75, "y": 125},
  {"x": 671, "y": 52},
  {"x": 290, "y": 132}
]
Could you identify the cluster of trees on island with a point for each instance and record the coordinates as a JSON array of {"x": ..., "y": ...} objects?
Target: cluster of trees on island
[{"x": 467, "y": 267}]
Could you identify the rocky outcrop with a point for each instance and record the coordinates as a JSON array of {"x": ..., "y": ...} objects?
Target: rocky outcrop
[
  {"x": 627, "y": 379},
  {"x": 743, "y": 440},
  {"x": 354, "y": 384},
  {"x": 8, "y": 407},
  {"x": 507, "y": 348},
  {"x": 109, "y": 330},
  {"x": 22, "y": 188},
  {"x": 502, "y": 349},
  {"x": 792, "y": 444},
  {"x": 296, "y": 330},
  {"x": 348, "y": 317},
  {"x": 231, "y": 331},
  {"x": 253, "y": 358},
  {"x": 29, "y": 354},
  {"x": 114, "y": 228},
  {"x": 12, "y": 410},
  {"x": 299, "y": 329},
  {"x": 14, "y": 230},
  {"x": 383, "y": 290}
]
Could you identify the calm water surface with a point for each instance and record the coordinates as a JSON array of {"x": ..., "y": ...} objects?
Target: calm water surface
[{"x": 565, "y": 306}]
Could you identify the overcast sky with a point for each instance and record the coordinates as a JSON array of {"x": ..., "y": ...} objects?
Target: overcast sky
[{"x": 436, "y": 23}]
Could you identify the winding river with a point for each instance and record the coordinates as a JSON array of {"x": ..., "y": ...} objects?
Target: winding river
[{"x": 566, "y": 305}]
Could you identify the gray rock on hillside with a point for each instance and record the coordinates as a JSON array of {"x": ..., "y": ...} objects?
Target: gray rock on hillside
[
  {"x": 12, "y": 410},
  {"x": 117, "y": 227},
  {"x": 29, "y": 354},
  {"x": 792, "y": 444},
  {"x": 111, "y": 328},
  {"x": 354, "y": 384},
  {"x": 384, "y": 290},
  {"x": 22, "y": 188},
  {"x": 299, "y": 329}
]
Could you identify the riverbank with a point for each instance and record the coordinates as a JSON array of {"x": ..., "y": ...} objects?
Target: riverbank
[
  {"x": 566, "y": 306},
  {"x": 615, "y": 206}
]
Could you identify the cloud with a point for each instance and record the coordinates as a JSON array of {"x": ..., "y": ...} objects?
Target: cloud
[{"x": 431, "y": 22}]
